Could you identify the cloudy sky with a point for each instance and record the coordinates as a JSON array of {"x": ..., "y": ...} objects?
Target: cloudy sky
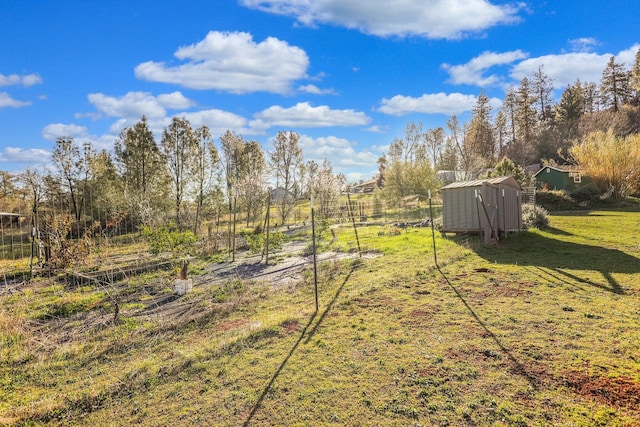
[{"x": 347, "y": 75}]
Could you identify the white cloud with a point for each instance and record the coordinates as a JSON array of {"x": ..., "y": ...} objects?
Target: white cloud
[
  {"x": 377, "y": 129},
  {"x": 583, "y": 44},
  {"x": 380, "y": 148},
  {"x": 52, "y": 131},
  {"x": 137, "y": 104},
  {"x": 219, "y": 121},
  {"x": 340, "y": 152},
  {"x": 434, "y": 19},
  {"x": 24, "y": 155},
  {"x": 437, "y": 103},
  {"x": 315, "y": 90},
  {"x": 232, "y": 62},
  {"x": 472, "y": 72},
  {"x": 305, "y": 115},
  {"x": 174, "y": 101},
  {"x": 7, "y": 101},
  {"x": 628, "y": 56},
  {"x": 17, "y": 80},
  {"x": 566, "y": 68},
  {"x": 563, "y": 68}
]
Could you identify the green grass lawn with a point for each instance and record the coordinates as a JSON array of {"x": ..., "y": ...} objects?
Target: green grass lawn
[{"x": 542, "y": 329}]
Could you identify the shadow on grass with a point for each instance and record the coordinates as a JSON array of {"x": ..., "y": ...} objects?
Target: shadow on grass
[
  {"x": 564, "y": 258},
  {"x": 517, "y": 367},
  {"x": 557, "y": 231},
  {"x": 326, "y": 310},
  {"x": 295, "y": 347}
]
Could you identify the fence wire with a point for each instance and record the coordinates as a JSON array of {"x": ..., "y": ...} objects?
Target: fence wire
[{"x": 352, "y": 227}]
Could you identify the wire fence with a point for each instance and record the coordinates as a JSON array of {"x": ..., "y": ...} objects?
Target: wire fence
[
  {"x": 310, "y": 267},
  {"x": 352, "y": 226}
]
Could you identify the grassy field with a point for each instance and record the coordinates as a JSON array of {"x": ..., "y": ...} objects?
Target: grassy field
[{"x": 542, "y": 329}]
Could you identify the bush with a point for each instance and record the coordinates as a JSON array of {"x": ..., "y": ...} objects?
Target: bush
[
  {"x": 586, "y": 194},
  {"x": 534, "y": 216},
  {"x": 555, "y": 200},
  {"x": 256, "y": 242},
  {"x": 169, "y": 238}
]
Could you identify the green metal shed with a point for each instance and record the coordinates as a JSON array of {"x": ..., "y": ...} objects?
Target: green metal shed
[{"x": 568, "y": 178}]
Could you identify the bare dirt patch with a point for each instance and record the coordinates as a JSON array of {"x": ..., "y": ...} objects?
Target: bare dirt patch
[
  {"x": 231, "y": 324},
  {"x": 618, "y": 391},
  {"x": 291, "y": 326},
  {"x": 288, "y": 269}
]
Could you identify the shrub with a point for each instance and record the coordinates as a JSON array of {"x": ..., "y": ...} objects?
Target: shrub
[
  {"x": 534, "y": 216},
  {"x": 256, "y": 242},
  {"x": 586, "y": 194},
  {"x": 169, "y": 238},
  {"x": 555, "y": 200}
]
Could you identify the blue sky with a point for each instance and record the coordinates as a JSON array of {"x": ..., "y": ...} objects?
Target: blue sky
[{"x": 347, "y": 75}]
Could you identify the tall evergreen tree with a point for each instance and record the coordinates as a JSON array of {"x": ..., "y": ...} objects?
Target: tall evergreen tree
[
  {"x": 448, "y": 159},
  {"x": 526, "y": 123},
  {"x": 501, "y": 131},
  {"x": 634, "y": 80},
  {"x": 570, "y": 109},
  {"x": 543, "y": 87},
  {"x": 508, "y": 111},
  {"x": 480, "y": 136},
  {"x": 591, "y": 98},
  {"x": 614, "y": 85},
  {"x": 106, "y": 195},
  {"x": 138, "y": 157}
]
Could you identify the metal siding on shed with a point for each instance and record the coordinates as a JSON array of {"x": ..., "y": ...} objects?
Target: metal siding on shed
[{"x": 463, "y": 212}]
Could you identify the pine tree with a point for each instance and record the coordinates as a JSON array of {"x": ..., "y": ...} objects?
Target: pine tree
[
  {"x": 614, "y": 85},
  {"x": 480, "y": 135},
  {"x": 543, "y": 87},
  {"x": 526, "y": 122},
  {"x": 570, "y": 109},
  {"x": 500, "y": 130},
  {"x": 634, "y": 80}
]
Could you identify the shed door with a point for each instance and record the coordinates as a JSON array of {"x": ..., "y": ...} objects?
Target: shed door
[{"x": 489, "y": 212}]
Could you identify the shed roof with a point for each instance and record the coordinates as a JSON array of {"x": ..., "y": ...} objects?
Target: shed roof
[
  {"x": 509, "y": 181},
  {"x": 563, "y": 169}
]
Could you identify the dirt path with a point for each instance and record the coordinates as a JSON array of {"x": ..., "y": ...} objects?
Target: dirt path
[
  {"x": 247, "y": 267},
  {"x": 281, "y": 273}
]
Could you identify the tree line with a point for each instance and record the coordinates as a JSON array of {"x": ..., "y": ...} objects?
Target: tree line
[
  {"x": 185, "y": 178},
  {"x": 593, "y": 125}
]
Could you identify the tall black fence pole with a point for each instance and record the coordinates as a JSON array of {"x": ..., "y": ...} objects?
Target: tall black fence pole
[
  {"x": 353, "y": 221},
  {"x": 315, "y": 263},
  {"x": 266, "y": 243},
  {"x": 433, "y": 231}
]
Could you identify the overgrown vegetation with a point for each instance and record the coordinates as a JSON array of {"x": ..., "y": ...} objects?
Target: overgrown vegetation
[{"x": 540, "y": 330}]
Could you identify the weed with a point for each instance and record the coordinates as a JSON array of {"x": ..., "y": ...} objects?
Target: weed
[{"x": 538, "y": 331}]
